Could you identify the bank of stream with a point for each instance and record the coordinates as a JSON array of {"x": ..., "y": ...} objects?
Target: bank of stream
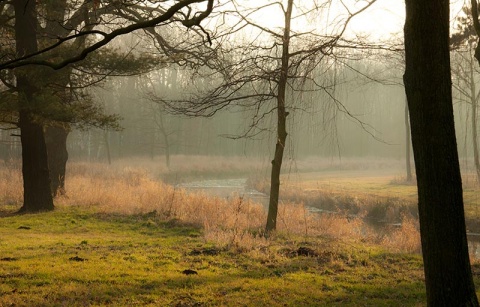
[{"x": 238, "y": 187}]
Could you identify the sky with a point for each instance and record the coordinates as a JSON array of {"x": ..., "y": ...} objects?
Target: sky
[
  {"x": 379, "y": 21},
  {"x": 382, "y": 20}
]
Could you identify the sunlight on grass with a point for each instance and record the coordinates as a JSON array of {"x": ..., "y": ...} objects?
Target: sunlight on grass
[{"x": 120, "y": 237}]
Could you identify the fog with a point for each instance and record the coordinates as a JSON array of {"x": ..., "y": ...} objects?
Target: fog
[{"x": 367, "y": 121}]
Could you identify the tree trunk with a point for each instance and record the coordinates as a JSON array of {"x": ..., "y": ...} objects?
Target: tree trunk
[
  {"x": 166, "y": 140},
  {"x": 281, "y": 126},
  {"x": 107, "y": 146},
  {"x": 474, "y": 102},
  {"x": 475, "y": 139},
  {"x": 36, "y": 181},
  {"x": 56, "y": 141},
  {"x": 427, "y": 78},
  {"x": 407, "y": 145},
  {"x": 37, "y": 196}
]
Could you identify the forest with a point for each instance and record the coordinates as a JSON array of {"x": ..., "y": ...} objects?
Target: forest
[{"x": 238, "y": 153}]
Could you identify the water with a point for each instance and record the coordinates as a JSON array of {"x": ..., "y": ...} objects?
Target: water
[{"x": 228, "y": 188}]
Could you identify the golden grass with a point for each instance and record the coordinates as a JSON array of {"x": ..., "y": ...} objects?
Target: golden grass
[
  {"x": 236, "y": 222},
  {"x": 405, "y": 238},
  {"x": 11, "y": 182}
]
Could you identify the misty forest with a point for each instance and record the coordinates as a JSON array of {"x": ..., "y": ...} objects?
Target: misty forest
[{"x": 239, "y": 153}]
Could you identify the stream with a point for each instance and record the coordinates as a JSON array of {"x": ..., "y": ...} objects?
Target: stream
[{"x": 228, "y": 188}]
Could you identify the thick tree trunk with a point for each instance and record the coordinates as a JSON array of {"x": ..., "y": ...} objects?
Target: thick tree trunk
[
  {"x": 56, "y": 141},
  {"x": 448, "y": 276},
  {"x": 408, "y": 140},
  {"x": 281, "y": 126},
  {"x": 37, "y": 196},
  {"x": 36, "y": 181}
]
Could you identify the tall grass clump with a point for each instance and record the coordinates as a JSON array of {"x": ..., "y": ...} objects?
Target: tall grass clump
[
  {"x": 11, "y": 190},
  {"x": 405, "y": 238}
]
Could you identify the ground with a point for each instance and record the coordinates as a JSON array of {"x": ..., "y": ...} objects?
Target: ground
[
  {"x": 79, "y": 257},
  {"x": 122, "y": 238}
]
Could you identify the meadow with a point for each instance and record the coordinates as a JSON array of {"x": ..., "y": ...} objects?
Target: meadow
[{"x": 121, "y": 237}]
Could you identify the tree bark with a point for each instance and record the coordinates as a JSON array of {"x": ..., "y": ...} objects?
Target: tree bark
[
  {"x": 408, "y": 140},
  {"x": 56, "y": 141},
  {"x": 37, "y": 196},
  {"x": 427, "y": 78},
  {"x": 281, "y": 126},
  {"x": 36, "y": 181}
]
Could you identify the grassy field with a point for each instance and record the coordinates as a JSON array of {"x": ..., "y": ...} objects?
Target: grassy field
[
  {"x": 122, "y": 238},
  {"x": 81, "y": 257}
]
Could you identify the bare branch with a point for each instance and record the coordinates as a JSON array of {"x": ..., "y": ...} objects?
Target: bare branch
[{"x": 107, "y": 37}]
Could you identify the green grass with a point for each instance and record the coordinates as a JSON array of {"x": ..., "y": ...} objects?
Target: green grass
[{"x": 80, "y": 257}]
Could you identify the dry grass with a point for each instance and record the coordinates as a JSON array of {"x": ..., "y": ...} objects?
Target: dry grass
[
  {"x": 11, "y": 182},
  {"x": 236, "y": 223},
  {"x": 405, "y": 238}
]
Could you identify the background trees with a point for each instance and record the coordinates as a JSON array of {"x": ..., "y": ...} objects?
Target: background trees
[{"x": 52, "y": 36}]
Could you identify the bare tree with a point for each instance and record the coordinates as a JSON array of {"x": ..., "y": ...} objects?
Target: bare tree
[
  {"x": 464, "y": 43},
  {"x": 267, "y": 73}
]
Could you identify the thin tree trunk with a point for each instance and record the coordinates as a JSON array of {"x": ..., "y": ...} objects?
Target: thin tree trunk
[
  {"x": 281, "y": 126},
  {"x": 475, "y": 140},
  {"x": 107, "y": 146},
  {"x": 165, "y": 139},
  {"x": 36, "y": 181},
  {"x": 474, "y": 105},
  {"x": 407, "y": 144},
  {"x": 427, "y": 78},
  {"x": 56, "y": 141}
]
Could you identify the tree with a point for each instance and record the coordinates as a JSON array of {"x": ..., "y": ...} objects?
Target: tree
[
  {"x": 427, "y": 79},
  {"x": 266, "y": 75},
  {"x": 30, "y": 63},
  {"x": 465, "y": 84},
  {"x": 36, "y": 180}
]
